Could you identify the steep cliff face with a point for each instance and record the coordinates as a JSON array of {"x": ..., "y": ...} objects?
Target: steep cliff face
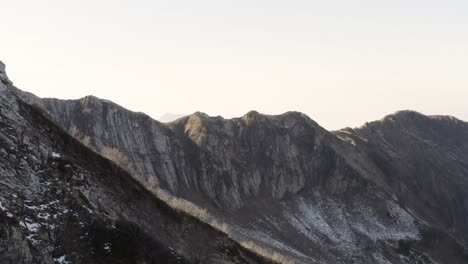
[
  {"x": 389, "y": 192},
  {"x": 62, "y": 203},
  {"x": 225, "y": 161}
]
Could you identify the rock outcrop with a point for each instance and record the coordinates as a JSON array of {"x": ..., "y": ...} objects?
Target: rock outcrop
[{"x": 391, "y": 191}]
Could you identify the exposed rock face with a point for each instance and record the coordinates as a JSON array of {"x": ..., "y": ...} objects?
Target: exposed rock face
[
  {"x": 62, "y": 203},
  {"x": 425, "y": 161},
  {"x": 389, "y": 192},
  {"x": 228, "y": 161}
]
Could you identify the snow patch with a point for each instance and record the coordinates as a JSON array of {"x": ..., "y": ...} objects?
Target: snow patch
[
  {"x": 107, "y": 247},
  {"x": 31, "y": 238},
  {"x": 3, "y": 208},
  {"x": 61, "y": 260},
  {"x": 33, "y": 227},
  {"x": 43, "y": 216},
  {"x": 36, "y": 207}
]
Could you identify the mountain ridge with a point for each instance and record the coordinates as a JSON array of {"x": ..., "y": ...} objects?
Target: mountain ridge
[{"x": 285, "y": 183}]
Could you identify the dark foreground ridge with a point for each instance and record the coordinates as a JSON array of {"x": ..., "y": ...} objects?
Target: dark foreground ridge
[{"x": 391, "y": 191}]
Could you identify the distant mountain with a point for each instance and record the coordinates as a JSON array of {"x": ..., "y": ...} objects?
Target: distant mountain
[
  {"x": 391, "y": 191},
  {"x": 169, "y": 117}
]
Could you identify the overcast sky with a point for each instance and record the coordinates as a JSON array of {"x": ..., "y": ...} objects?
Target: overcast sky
[{"x": 340, "y": 62}]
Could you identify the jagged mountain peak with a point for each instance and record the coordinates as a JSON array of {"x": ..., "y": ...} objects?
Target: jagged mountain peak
[
  {"x": 255, "y": 118},
  {"x": 91, "y": 102},
  {"x": 408, "y": 118},
  {"x": 290, "y": 120},
  {"x": 445, "y": 128},
  {"x": 397, "y": 117},
  {"x": 405, "y": 116},
  {"x": 257, "y": 115},
  {"x": 196, "y": 121},
  {"x": 202, "y": 116},
  {"x": 96, "y": 99}
]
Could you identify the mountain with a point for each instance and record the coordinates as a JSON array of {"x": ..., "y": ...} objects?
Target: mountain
[
  {"x": 283, "y": 187},
  {"x": 424, "y": 161},
  {"x": 169, "y": 117},
  {"x": 60, "y": 202}
]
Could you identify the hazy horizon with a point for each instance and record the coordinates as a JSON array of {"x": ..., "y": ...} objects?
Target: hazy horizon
[{"x": 341, "y": 63}]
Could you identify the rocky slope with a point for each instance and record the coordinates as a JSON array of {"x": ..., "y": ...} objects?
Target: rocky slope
[
  {"x": 62, "y": 203},
  {"x": 389, "y": 192},
  {"x": 425, "y": 161}
]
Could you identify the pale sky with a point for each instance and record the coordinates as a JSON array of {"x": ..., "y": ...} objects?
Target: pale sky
[{"x": 341, "y": 62}]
